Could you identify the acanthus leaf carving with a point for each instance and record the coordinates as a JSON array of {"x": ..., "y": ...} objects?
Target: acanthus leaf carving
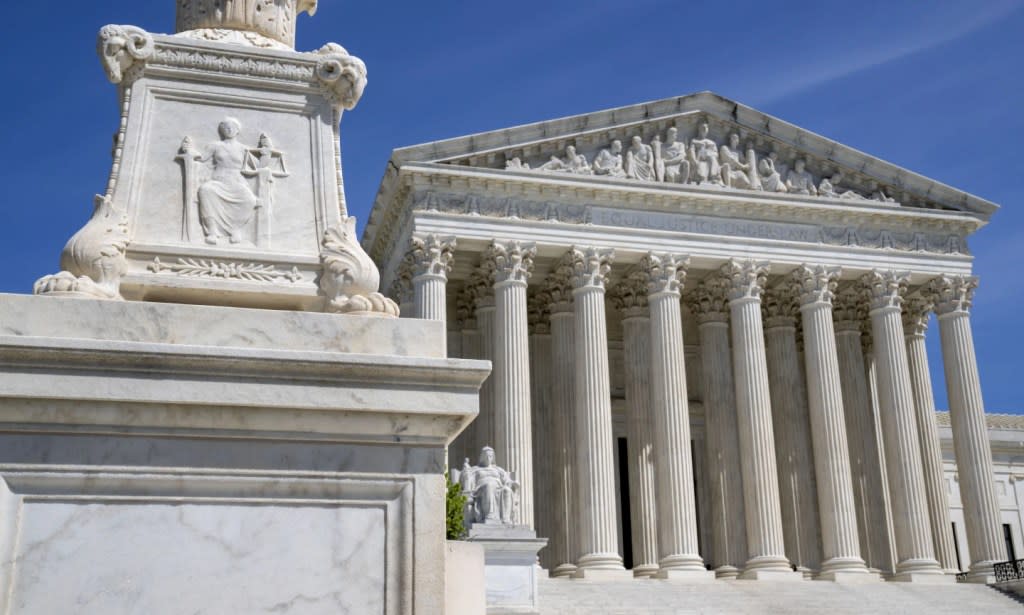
[
  {"x": 815, "y": 283},
  {"x": 93, "y": 261},
  {"x": 709, "y": 302},
  {"x": 512, "y": 261},
  {"x": 432, "y": 255},
  {"x": 120, "y": 47},
  {"x": 206, "y": 268},
  {"x": 747, "y": 278},
  {"x": 916, "y": 310},
  {"x": 587, "y": 267},
  {"x": 350, "y": 280},
  {"x": 630, "y": 296},
  {"x": 664, "y": 273},
  {"x": 885, "y": 289},
  {"x": 953, "y": 293}
]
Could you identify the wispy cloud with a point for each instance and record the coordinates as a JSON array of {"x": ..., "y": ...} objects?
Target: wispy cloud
[{"x": 937, "y": 29}]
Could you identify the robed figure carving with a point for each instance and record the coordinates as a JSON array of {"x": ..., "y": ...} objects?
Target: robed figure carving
[
  {"x": 219, "y": 201},
  {"x": 492, "y": 494}
]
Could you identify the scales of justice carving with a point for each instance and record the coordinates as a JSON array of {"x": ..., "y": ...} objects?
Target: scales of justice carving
[
  {"x": 491, "y": 492},
  {"x": 220, "y": 204},
  {"x": 703, "y": 162}
]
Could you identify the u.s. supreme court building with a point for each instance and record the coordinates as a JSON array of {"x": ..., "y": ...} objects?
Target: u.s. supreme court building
[{"x": 707, "y": 328}]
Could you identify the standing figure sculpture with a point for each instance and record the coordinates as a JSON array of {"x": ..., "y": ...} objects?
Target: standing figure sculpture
[
  {"x": 226, "y": 202},
  {"x": 672, "y": 164},
  {"x": 491, "y": 492},
  {"x": 640, "y": 161},
  {"x": 704, "y": 156},
  {"x": 609, "y": 161},
  {"x": 800, "y": 181},
  {"x": 735, "y": 172}
]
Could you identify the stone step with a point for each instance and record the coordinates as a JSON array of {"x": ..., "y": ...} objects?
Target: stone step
[{"x": 651, "y": 597}]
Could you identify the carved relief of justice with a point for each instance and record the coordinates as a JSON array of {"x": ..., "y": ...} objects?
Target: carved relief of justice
[
  {"x": 702, "y": 162},
  {"x": 229, "y": 189}
]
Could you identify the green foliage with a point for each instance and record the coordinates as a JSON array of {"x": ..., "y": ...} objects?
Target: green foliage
[{"x": 455, "y": 504}]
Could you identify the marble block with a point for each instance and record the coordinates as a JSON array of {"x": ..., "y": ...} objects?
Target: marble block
[{"x": 511, "y": 571}]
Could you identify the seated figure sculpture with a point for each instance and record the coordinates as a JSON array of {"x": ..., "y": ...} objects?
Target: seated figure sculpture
[
  {"x": 640, "y": 160},
  {"x": 609, "y": 161},
  {"x": 491, "y": 492}
]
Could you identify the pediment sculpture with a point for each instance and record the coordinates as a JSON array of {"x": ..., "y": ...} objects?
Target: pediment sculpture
[
  {"x": 491, "y": 492},
  {"x": 704, "y": 162}
]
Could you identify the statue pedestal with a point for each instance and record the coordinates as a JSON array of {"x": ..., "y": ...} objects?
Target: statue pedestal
[{"x": 510, "y": 567}]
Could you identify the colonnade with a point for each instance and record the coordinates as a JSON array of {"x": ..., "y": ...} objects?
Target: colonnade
[{"x": 821, "y": 444}]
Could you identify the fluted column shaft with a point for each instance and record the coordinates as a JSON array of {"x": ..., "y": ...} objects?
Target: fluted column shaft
[
  {"x": 678, "y": 546},
  {"x": 953, "y": 298},
  {"x": 563, "y": 544},
  {"x": 640, "y": 439},
  {"x": 484, "y": 432},
  {"x": 914, "y": 546},
  {"x": 765, "y": 542},
  {"x": 792, "y": 429},
  {"x": 840, "y": 540},
  {"x": 915, "y": 324},
  {"x": 513, "y": 433},
  {"x": 595, "y": 454},
  {"x": 867, "y": 473},
  {"x": 543, "y": 436},
  {"x": 726, "y": 481}
]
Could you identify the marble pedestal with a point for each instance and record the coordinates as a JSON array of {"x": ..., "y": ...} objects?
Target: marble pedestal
[
  {"x": 510, "y": 568},
  {"x": 160, "y": 458}
]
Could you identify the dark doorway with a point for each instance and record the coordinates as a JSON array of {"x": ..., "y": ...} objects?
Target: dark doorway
[
  {"x": 1011, "y": 553},
  {"x": 627, "y": 520},
  {"x": 956, "y": 545}
]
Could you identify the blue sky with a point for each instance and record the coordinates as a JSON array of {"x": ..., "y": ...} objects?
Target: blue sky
[{"x": 935, "y": 87}]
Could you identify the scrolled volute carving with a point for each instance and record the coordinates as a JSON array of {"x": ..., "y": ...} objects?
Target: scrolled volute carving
[
  {"x": 953, "y": 294},
  {"x": 93, "y": 261},
  {"x": 815, "y": 283},
  {"x": 587, "y": 267},
  {"x": 664, "y": 273},
  {"x": 884, "y": 289},
  {"x": 120, "y": 47},
  {"x": 350, "y": 280},
  {"x": 747, "y": 278},
  {"x": 512, "y": 261},
  {"x": 342, "y": 75},
  {"x": 432, "y": 255}
]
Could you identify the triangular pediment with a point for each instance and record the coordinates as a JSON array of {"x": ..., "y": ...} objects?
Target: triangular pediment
[{"x": 760, "y": 158}]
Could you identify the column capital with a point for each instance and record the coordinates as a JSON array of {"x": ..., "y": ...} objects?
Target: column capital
[
  {"x": 558, "y": 290},
  {"x": 512, "y": 261},
  {"x": 953, "y": 294},
  {"x": 747, "y": 278},
  {"x": 431, "y": 255},
  {"x": 915, "y": 315},
  {"x": 664, "y": 273},
  {"x": 885, "y": 289},
  {"x": 481, "y": 285},
  {"x": 401, "y": 290},
  {"x": 538, "y": 305},
  {"x": 587, "y": 267},
  {"x": 781, "y": 306},
  {"x": 630, "y": 297},
  {"x": 465, "y": 305},
  {"x": 815, "y": 284},
  {"x": 849, "y": 310},
  {"x": 709, "y": 302}
]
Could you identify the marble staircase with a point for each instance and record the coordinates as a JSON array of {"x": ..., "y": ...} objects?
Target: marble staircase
[{"x": 650, "y": 597}]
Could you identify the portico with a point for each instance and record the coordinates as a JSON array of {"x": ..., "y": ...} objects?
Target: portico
[{"x": 710, "y": 306}]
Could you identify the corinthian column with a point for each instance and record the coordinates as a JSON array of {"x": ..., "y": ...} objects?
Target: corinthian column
[
  {"x": 513, "y": 434},
  {"x": 673, "y": 458},
  {"x": 915, "y": 324},
  {"x": 539, "y": 304},
  {"x": 710, "y": 304},
  {"x": 563, "y": 544},
  {"x": 953, "y": 297},
  {"x": 792, "y": 428},
  {"x": 839, "y": 538},
  {"x": 431, "y": 263},
  {"x": 765, "y": 542},
  {"x": 630, "y": 298},
  {"x": 867, "y": 470},
  {"x": 915, "y": 552},
  {"x": 481, "y": 287},
  {"x": 595, "y": 486}
]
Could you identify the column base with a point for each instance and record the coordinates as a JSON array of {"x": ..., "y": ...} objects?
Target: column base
[
  {"x": 850, "y": 577},
  {"x": 982, "y": 572},
  {"x": 688, "y": 576},
  {"x": 727, "y": 572},
  {"x": 979, "y": 578},
  {"x": 929, "y": 578},
  {"x": 807, "y": 572},
  {"x": 645, "y": 571},
  {"x": 563, "y": 571},
  {"x": 771, "y": 575},
  {"x": 596, "y": 574}
]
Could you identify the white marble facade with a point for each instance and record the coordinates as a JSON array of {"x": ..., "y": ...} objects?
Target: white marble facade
[{"x": 737, "y": 299}]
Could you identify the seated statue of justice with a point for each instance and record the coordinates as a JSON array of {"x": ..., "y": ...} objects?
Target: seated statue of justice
[
  {"x": 492, "y": 494},
  {"x": 220, "y": 202}
]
